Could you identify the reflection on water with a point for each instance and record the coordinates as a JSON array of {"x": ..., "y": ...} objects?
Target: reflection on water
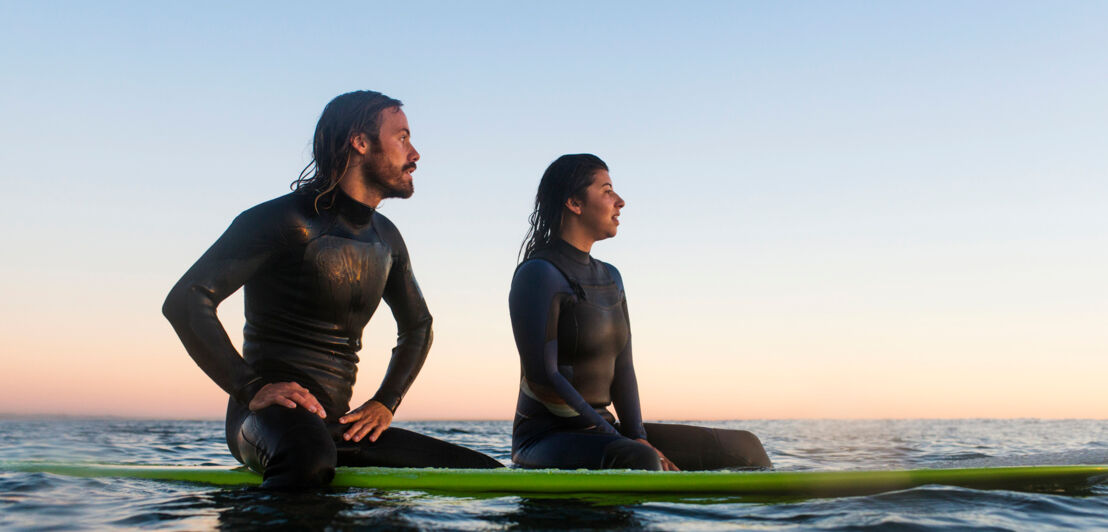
[
  {"x": 252, "y": 507},
  {"x": 38, "y": 500},
  {"x": 567, "y": 513}
]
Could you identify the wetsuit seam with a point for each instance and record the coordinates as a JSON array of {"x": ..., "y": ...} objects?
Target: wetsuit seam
[{"x": 576, "y": 335}]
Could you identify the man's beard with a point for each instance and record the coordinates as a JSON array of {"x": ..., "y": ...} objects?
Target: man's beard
[{"x": 389, "y": 181}]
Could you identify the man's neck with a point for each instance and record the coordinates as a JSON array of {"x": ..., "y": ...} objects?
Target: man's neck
[{"x": 354, "y": 185}]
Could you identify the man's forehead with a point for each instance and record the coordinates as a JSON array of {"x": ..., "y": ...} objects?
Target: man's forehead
[{"x": 393, "y": 119}]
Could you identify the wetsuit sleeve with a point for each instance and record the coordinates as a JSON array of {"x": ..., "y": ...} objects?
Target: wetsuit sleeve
[
  {"x": 191, "y": 304},
  {"x": 413, "y": 322},
  {"x": 538, "y": 289},
  {"x": 625, "y": 387}
]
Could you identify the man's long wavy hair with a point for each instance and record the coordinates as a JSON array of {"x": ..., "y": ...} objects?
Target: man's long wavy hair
[
  {"x": 568, "y": 176},
  {"x": 349, "y": 114}
]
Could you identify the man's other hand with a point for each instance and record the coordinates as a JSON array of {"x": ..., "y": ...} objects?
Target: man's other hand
[
  {"x": 286, "y": 394},
  {"x": 372, "y": 418}
]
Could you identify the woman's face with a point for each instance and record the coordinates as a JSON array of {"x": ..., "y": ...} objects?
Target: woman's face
[{"x": 600, "y": 208}]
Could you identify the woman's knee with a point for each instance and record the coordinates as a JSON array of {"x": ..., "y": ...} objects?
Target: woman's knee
[
  {"x": 630, "y": 454},
  {"x": 744, "y": 447}
]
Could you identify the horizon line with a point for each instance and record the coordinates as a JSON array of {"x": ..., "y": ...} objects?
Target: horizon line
[{"x": 6, "y": 416}]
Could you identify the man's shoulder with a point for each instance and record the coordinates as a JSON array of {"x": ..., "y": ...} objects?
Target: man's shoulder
[
  {"x": 387, "y": 230},
  {"x": 291, "y": 216},
  {"x": 293, "y": 203}
]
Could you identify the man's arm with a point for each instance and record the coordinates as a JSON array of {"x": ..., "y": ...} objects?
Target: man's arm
[
  {"x": 413, "y": 341},
  {"x": 191, "y": 309}
]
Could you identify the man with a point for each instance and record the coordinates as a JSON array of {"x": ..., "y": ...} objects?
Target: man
[{"x": 315, "y": 265}]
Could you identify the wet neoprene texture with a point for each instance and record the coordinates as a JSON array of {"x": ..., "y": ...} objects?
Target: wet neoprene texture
[
  {"x": 312, "y": 281},
  {"x": 294, "y": 449},
  {"x": 569, "y": 316}
]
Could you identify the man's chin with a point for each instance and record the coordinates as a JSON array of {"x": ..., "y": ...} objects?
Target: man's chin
[
  {"x": 402, "y": 189},
  {"x": 401, "y": 192}
]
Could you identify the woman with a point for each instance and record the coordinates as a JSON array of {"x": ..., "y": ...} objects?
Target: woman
[{"x": 569, "y": 316}]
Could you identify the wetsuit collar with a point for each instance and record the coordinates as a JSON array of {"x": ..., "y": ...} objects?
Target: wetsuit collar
[
  {"x": 353, "y": 210},
  {"x": 567, "y": 249}
]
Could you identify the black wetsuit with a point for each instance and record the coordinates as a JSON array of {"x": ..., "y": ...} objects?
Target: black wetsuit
[
  {"x": 312, "y": 282},
  {"x": 569, "y": 316}
]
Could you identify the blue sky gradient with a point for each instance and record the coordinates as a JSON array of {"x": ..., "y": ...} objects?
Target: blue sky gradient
[{"x": 847, "y": 209}]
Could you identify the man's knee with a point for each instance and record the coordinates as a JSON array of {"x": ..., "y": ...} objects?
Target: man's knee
[
  {"x": 630, "y": 454},
  {"x": 304, "y": 458}
]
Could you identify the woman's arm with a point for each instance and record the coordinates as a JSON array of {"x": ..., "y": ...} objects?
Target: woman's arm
[
  {"x": 538, "y": 291},
  {"x": 625, "y": 390},
  {"x": 625, "y": 386},
  {"x": 625, "y": 396}
]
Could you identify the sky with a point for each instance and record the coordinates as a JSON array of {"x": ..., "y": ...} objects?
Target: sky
[{"x": 834, "y": 209}]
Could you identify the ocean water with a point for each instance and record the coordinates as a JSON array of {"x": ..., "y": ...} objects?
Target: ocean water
[{"x": 39, "y": 501}]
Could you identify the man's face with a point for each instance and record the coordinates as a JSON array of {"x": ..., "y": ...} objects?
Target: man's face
[{"x": 392, "y": 159}]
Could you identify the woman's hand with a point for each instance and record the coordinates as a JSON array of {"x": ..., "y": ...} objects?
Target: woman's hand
[
  {"x": 667, "y": 465},
  {"x": 288, "y": 395},
  {"x": 372, "y": 418}
]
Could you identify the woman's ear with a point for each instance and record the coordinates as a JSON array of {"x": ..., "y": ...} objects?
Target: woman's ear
[{"x": 574, "y": 205}]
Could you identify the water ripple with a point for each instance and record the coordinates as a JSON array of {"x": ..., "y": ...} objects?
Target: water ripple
[{"x": 41, "y": 501}]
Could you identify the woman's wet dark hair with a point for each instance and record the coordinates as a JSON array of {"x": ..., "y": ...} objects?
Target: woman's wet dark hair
[
  {"x": 568, "y": 176},
  {"x": 349, "y": 114}
]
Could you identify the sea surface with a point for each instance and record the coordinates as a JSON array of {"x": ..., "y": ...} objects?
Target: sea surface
[{"x": 39, "y": 501}]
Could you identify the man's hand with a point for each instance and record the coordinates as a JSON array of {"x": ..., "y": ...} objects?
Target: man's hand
[
  {"x": 371, "y": 418},
  {"x": 667, "y": 465},
  {"x": 286, "y": 394}
]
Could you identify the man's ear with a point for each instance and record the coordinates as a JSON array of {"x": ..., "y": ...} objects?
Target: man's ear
[
  {"x": 574, "y": 205},
  {"x": 360, "y": 143}
]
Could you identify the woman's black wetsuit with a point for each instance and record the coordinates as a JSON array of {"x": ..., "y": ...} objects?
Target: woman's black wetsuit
[
  {"x": 312, "y": 281},
  {"x": 569, "y": 316}
]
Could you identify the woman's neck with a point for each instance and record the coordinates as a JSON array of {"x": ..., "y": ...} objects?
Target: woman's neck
[{"x": 575, "y": 236}]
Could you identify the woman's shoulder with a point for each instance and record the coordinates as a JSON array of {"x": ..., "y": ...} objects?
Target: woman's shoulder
[
  {"x": 538, "y": 272},
  {"x": 614, "y": 272},
  {"x": 537, "y": 267}
]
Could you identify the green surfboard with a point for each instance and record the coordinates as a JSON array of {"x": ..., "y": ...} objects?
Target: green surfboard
[{"x": 638, "y": 483}]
